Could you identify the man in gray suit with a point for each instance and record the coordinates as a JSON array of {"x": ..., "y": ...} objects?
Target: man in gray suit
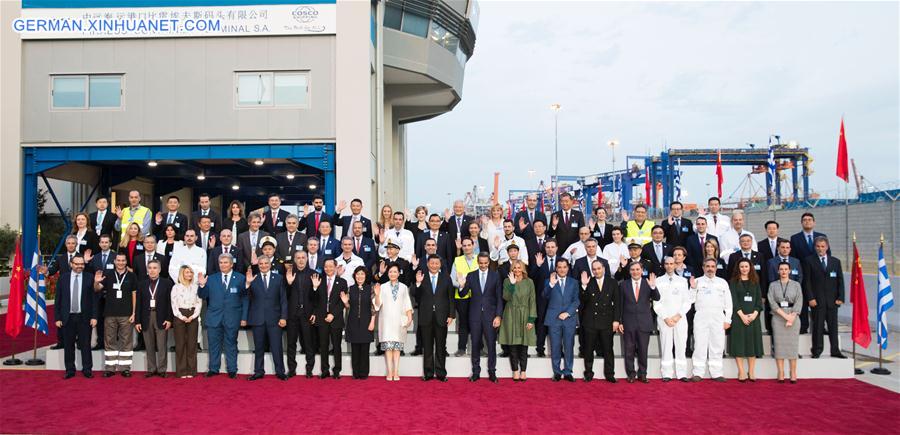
[{"x": 248, "y": 241}]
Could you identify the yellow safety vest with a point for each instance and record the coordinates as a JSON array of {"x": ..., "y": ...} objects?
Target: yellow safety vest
[
  {"x": 464, "y": 267},
  {"x": 639, "y": 234},
  {"x": 138, "y": 218}
]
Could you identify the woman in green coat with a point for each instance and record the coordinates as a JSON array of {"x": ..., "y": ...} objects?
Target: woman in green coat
[
  {"x": 746, "y": 332},
  {"x": 519, "y": 314}
]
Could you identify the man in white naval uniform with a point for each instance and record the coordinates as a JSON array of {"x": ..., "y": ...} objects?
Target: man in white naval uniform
[
  {"x": 712, "y": 303},
  {"x": 675, "y": 299}
]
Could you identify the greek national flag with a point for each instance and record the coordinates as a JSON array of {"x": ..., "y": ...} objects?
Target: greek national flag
[
  {"x": 772, "y": 168},
  {"x": 885, "y": 299},
  {"x": 678, "y": 181},
  {"x": 36, "y": 304}
]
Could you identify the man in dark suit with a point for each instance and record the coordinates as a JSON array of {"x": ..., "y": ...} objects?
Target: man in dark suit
[
  {"x": 330, "y": 292},
  {"x": 60, "y": 264},
  {"x": 561, "y": 292},
  {"x": 526, "y": 218},
  {"x": 535, "y": 243},
  {"x": 329, "y": 247},
  {"x": 206, "y": 235},
  {"x": 746, "y": 251},
  {"x": 225, "y": 246},
  {"x": 300, "y": 315},
  {"x": 434, "y": 293},
  {"x": 104, "y": 220},
  {"x": 227, "y": 303},
  {"x": 311, "y": 221},
  {"x": 656, "y": 250},
  {"x": 74, "y": 313},
  {"x": 601, "y": 230},
  {"x": 364, "y": 247},
  {"x": 584, "y": 264},
  {"x": 446, "y": 248},
  {"x": 346, "y": 222},
  {"x": 694, "y": 244},
  {"x": 637, "y": 320},
  {"x": 485, "y": 311},
  {"x": 153, "y": 318},
  {"x": 267, "y": 315},
  {"x": 600, "y": 316},
  {"x": 457, "y": 224},
  {"x": 565, "y": 223},
  {"x": 784, "y": 256},
  {"x": 802, "y": 246},
  {"x": 205, "y": 210},
  {"x": 170, "y": 217},
  {"x": 274, "y": 217},
  {"x": 315, "y": 258},
  {"x": 141, "y": 261},
  {"x": 825, "y": 292},
  {"x": 539, "y": 271},
  {"x": 291, "y": 240},
  {"x": 767, "y": 249},
  {"x": 677, "y": 228},
  {"x": 248, "y": 241}
]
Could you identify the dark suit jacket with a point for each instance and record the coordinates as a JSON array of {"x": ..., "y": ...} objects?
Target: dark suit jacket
[
  {"x": 108, "y": 226},
  {"x": 309, "y": 223},
  {"x": 331, "y": 248},
  {"x": 486, "y": 303},
  {"x": 333, "y": 305},
  {"x": 676, "y": 236},
  {"x": 566, "y": 234},
  {"x": 96, "y": 262},
  {"x": 435, "y": 304},
  {"x": 90, "y": 241},
  {"x": 63, "y": 301},
  {"x": 212, "y": 259},
  {"x": 800, "y": 249},
  {"x": 446, "y": 248},
  {"x": 559, "y": 302},
  {"x": 163, "y": 302},
  {"x": 529, "y": 230},
  {"x": 276, "y": 226},
  {"x": 695, "y": 250},
  {"x": 637, "y": 314},
  {"x": 209, "y": 236},
  {"x": 765, "y": 254},
  {"x": 649, "y": 253},
  {"x": 772, "y": 270},
  {"x": 407, "y": 276},
  {"x": 346, "y": 230},
  {"x": 825, "y": 286},
  {"x": 531, "y": 244},
  {"x": 603, "y": 238},
  {"x": 450, "y": 225},
  {"x": 317, "y": 265},
  {"x": 215, "y": 218},
  {"x": 581, "y": 265},
  {"x": 181, "y": 225},
  {"x": 540, "y": 275},
  {"x": 267, "y": 305},
  {"x": 140, "y": 265},
  {"x": 225, "y": 307},
  {"x": 600, "y": 307},
  {"x": 754, "y": 258},
  {"x": 300, "y": 295},
  {"x": 243, "y": 242},
  {"x": 368, "y": 251},
  {"x": 60, "y": 264},
  {"x": 285, "y": 251},
  {"x": 622, "y": 272}
]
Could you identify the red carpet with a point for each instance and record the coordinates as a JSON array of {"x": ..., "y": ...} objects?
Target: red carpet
[
  {"x": 222, "y": 405},
  {"x": 25, "y": 341}
]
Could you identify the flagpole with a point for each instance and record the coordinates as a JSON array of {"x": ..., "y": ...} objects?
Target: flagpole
[
  {"x": 880, "y": 370},
  {"x": 856, "y": 370},
  {"x": 35, "y": 361}
]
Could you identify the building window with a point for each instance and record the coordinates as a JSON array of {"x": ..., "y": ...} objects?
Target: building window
[
  {"x": 392, "y": 17},
  {"x": 100, "y": 91},
  {"x": 414, "y": 24},
  {"x": 443, "y": 37},
  {"x": 273, "y": 88}
]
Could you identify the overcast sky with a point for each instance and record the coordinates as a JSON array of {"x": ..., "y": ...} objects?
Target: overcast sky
[{"x": 680, "y": 75}]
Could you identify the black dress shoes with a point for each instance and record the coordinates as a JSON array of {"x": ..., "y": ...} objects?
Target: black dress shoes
[
  {"x": 541, "y": 354},
  {"x": 211, "y": 374},
  {"x": 493, "y": 378},
  {"x": 97, "y": 347},
  {"x": 149, "y": 374},
  {"x": 666, "y": 379},
  {"x": 88, "y": 375},
  {"x": 556, "y": 378},
  {"x": 256, "y": 376},
  {"x": 292, "y": 373},
  {"x": 56, "y": 346},
  {"x": 282, "y": 377},
  {"x": 569, "y": 378},
  {"x": 630, "y": 379},
  {"x": 69, "y": 376},
  {"x": 588, "y": 377},
  {"x": 309, "y": 374},
  {"x": 416, "y": 352},
  {"x": 473, "y": 378},
  {"x": 427, "y": 378},
  {"x": 684, "y": 379},
  {"x": 335, "y": 376},
  {"x": 839, "y": 356},
  {"x": 442, "y": 378},
  {"x": 323, "y": 375},
  {"x": 719, "y": 379},
  {"x": 232, "y": 375},
  {"x": 162, "y": 375},
  {"x": 611, "y": 380},
  {"x": 644, "y": 380}
]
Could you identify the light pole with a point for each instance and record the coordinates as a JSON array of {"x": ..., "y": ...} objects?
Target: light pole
[
  {"x": 612, "y": 146},
  {"x": 556, "y": 107}
]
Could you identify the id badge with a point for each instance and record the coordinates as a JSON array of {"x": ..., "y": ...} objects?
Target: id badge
[
  {"x": 719, "y": 266},
  {"x": 274, "y": 272},
  {"x": 574, "y": 225},
  {"x": 119, "y": 294},
  {"x": 367, "y": 248},
  {"x": 287, "y": 258},
  {"x": 685, "y": 229},
  {"x": 833, "y": 274},
  {"x": 139, "y": 247},
  {"x": 212, "y": 224},
  {"x": 279, "y": 224},
  {"x": 109, "y": 267},
  {"x": 298, "y": 247},
  {"x": 328, "y": 252},
  {"x": 795, "y": 272},
  {"x": 645, "y": 272},
  {"x": 152, "y": 303},
  {"x": 83, "y": 242},
  {"x": 756, "y": 266},
  {"x": 177, "y": 224},
  {"x": 117, "y": 286},
  {"x": 748, "y": 298},
  {"x": 232, "y": 290},
  {"x": 596, "y": 233},
  {"x": 784, "y": 304},
  {"x": 687, "y": 274}
]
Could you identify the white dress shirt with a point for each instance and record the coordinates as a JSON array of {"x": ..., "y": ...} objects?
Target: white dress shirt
[
  {"x": 349, "y": 266},
  {"x": 717, "y": 225},
  {"x": 500, "y": 255},
  {"x": 193, "y": 256},
  {"x": 402, "y": 237},
  {"x": 730, "y": 242}
]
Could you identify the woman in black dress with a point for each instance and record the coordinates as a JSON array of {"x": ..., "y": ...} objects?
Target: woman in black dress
[
  {"x": 360, "y": 322},
  {"x": 167, "y": 245},
  {"x": 420, "y": 225},
  {"x": 235, "y": 220}
]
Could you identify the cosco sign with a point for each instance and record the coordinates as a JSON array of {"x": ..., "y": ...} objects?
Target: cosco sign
[{"x": 305, "y": 14}]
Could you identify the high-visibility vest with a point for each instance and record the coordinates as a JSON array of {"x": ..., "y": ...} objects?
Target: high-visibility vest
[
  {"x": 639, "y": 234},
  {"x": 138, "y": 218},
  {"x": 464, "y": 267}
]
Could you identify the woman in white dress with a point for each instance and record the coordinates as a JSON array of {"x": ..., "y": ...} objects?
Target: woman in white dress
[
  {"x": 492, "y": 227},
  {"x": 394, "y": 317},
  {"x": 614, "y": 252}
]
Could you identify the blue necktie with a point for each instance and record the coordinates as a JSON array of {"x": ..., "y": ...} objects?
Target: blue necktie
[
  {"x": 433, "y": 284},
  {"x": 809, "y": 242},
  {"x": 824, "y": 264}
]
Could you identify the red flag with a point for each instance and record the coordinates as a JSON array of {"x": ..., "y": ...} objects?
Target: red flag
[
  {"x": 599, "y": 194},
  {"x": 15, "y": 316},
  {"x": 719, "y": 176},
  {"x": 861, "y": 334},
  {"x": 842, "y": 171},
  {"x": 647, "y": 186}
]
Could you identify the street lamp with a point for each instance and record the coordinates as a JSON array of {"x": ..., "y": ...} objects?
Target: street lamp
[
  {"x": 556, "y": 107},
  {"x": 613, "y": 143}
]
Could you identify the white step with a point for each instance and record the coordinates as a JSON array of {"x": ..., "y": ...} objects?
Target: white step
[{"x": 460, "y": 367}]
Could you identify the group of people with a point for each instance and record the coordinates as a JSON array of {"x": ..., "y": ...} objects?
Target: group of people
[{"x": 516, "y": 281}]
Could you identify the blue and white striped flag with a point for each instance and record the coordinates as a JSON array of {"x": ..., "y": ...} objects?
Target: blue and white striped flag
[
  {"x": 678, "y": 181},
  {"x": 772, "y": 168},
  {"x": 885, "y": 299},
  {"x": 36, "y": 300}
]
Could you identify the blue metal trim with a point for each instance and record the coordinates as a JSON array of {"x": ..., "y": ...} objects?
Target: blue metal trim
[
  {"x": 62, "y": 214},
  {"x": 93, "y": 4},
  {"x": 29, "y": 212}
]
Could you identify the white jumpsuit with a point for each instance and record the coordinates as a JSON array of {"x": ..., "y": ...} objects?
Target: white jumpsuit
[
  {"x": 674, "y": 298},
  {"x": 712, "y": 303}
]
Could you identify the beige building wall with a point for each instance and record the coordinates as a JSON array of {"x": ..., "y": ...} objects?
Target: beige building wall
[{"x": 10, "y": 116}]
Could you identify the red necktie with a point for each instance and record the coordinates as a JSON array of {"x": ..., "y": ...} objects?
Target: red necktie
[
  {"x": 357, "y": 244},
  {"x": 637, "y": 291},
  {"x": 317, "y": 221}
]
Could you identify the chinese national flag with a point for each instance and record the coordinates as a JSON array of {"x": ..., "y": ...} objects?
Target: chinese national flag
[
  {"x": 15, "y": 316},
  {"x": 647, "y": 187},
  {"x": 842, "y": 171},
  {"x": 861, "y": 334},
  {"x": 719, "y": 176},
  {"x": 599, "y": 194}
]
